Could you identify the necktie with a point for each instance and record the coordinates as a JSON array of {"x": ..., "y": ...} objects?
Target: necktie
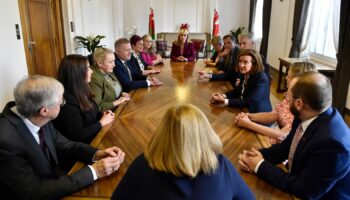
[
  {"x": 128, "y": 70},
  {"x": 43, "y": 146},
  {"x": 293, "y": 146},
  {"x": 244, "y": 85},
  {"x": 41, "y": 138}
]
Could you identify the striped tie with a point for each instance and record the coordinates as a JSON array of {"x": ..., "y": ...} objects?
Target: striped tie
[
  {"x": 127, "y": 69},
  {"x": 293, "y": 146}
]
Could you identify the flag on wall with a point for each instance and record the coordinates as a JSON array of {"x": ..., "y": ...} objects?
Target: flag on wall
[
  {"x": 151, "y": 28},
  {"x": 216, "y": 23}
]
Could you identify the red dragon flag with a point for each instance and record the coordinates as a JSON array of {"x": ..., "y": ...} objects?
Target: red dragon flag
[
  {"x": 151, "y": 29},
  {"x": 216, "y": 23}
]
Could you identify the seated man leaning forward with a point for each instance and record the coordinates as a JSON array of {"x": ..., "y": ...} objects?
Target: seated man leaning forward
[
  {"x": 129, "y": 75},
  {"x": 30, "y": 146},
  {"x": 317, "y": 148}
]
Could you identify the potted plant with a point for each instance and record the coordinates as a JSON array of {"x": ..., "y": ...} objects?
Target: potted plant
[
  {"x": 90, "y": 42},
  {"x": 236, "y": 32}
]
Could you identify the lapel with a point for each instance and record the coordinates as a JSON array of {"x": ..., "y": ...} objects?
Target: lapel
[
  {"x": 308, "y": 135},
  {"x": 49, "y": 142},
  {"x": 124, "y": 65},
  {"x": 105, "y": 83},
  {"x": 25, "y": 134}
]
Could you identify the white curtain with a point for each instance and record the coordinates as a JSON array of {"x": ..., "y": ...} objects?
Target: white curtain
[
  {"x": 336, "y": 13},
  {"x": 316, "y": 22}
]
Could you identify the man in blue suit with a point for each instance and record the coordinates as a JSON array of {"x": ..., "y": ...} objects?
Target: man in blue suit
[
  {"x": 318, "y": 146},
  {"x": 129, "y": 76}
]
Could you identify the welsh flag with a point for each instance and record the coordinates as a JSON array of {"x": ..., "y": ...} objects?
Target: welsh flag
[
  {"x": 151, "y": 29},
  {"x": 216, "y": 23}
]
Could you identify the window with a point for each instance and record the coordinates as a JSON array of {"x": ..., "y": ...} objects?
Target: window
[
  {"x": 320, "y": 39},
  {"x": 257, "y": 24}
]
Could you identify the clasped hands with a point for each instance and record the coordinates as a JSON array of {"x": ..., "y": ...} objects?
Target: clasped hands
[
  {"x": 218, "y": 98},
  {"x": 154, "y": 81},
  {"x": 242, "y": 120},
  {"x": 248, "y": 159},
  {"x": 182, "y": 59},
  {"x": 151, "y": 70},
  {"x": 108, "y": 161},
  {"x": 204, "y": 76},
  {"x": 123, "y": 98}
]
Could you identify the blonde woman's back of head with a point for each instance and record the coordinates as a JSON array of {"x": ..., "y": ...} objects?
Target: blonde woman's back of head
[
  {"x": 298, "y": 68},
  {"x": 184, "y": 143}
]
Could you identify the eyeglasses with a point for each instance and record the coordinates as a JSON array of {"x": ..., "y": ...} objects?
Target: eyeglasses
[{"x": 63, "y": 103}]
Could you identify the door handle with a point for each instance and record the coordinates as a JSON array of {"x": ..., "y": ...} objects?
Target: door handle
[{"x": 30, "y": 46}]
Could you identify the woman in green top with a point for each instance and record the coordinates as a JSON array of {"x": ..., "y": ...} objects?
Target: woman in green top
[{"x": 104, "y": 85}]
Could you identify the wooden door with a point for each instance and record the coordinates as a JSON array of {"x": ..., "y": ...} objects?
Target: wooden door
[{"x": 42, "y": 35}]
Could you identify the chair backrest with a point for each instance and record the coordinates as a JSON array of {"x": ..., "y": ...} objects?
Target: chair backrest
[
  {"x": 162, "y": 47},
  {"x": 198, "y": 45}
]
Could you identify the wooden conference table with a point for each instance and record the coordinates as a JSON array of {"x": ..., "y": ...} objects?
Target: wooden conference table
[{"x": 137, "y": 120}]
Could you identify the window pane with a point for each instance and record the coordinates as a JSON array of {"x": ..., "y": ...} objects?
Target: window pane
[
  {"x": 257, "y": 24},
  {"x": 322, "y": 15}
]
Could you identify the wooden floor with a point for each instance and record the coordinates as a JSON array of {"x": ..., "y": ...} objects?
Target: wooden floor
[{"x": 137, "y": 120}]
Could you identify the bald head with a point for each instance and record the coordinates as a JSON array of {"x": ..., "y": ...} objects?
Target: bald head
[{"x": 314, "y": 89}]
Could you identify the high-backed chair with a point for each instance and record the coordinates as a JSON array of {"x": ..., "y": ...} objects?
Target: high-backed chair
[{"x": 199, "y": 47}]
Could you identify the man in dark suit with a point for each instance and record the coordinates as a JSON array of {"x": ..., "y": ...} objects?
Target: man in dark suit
[
  {"x": 317, "y": 148},
  {"x": 130, "y": 76},
  {"x": 30, "y": 146},
  {"x": 228, "y": 59}
]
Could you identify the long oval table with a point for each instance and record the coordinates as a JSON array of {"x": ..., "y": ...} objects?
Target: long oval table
[{"x": 137, "y": 120}]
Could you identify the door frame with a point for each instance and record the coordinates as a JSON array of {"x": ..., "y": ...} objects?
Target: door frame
[{"x": 56, "y": 28}]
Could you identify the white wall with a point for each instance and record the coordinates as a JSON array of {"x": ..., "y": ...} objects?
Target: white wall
[
  {"x": 113, "y": 18},
  {"x": 233, "y": 14},
  {"x": 12, "y": 56},
  {"x": 281, "y": 26},
  {"x": 98, "y": 17}
]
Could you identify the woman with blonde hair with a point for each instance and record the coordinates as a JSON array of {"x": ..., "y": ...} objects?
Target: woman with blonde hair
[
  {"x": 183, "y": 161},
  {"x": 182, "y": 50},
  {"x": 217, "y": 44},
  {"x": 107, "y": 90},
  {"x": 148, "y": 55},
  {"x": 281, "y": 114}
]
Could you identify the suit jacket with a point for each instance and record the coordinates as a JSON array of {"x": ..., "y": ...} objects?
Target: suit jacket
[
  {"x": 25, "y": 173},
  {"x": 256, "y": 96},
  {"x": 321, "y": 163},
  {"x": 138, "y": 80},
  {"x": 231, "y": 74},
  {"x": 134, "y": 62},
  {"x": 103, "y": 91},
  {"x": 148, "y": 57},
  {"x": 188, "y": 51},
  {"x": 76, "y": 124},
  {"x": 142, "y": 182},
  {"x": 266, "y": 67},
  {"x": 229, "y": 62}
]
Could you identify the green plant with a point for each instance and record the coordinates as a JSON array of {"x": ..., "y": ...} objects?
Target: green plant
[
  {"x": 90, "y": 42},
  {"x": 236, "y": 32}
]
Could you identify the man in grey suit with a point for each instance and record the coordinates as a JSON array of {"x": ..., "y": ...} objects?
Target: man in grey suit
[{"x": 30, "y": 147}]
